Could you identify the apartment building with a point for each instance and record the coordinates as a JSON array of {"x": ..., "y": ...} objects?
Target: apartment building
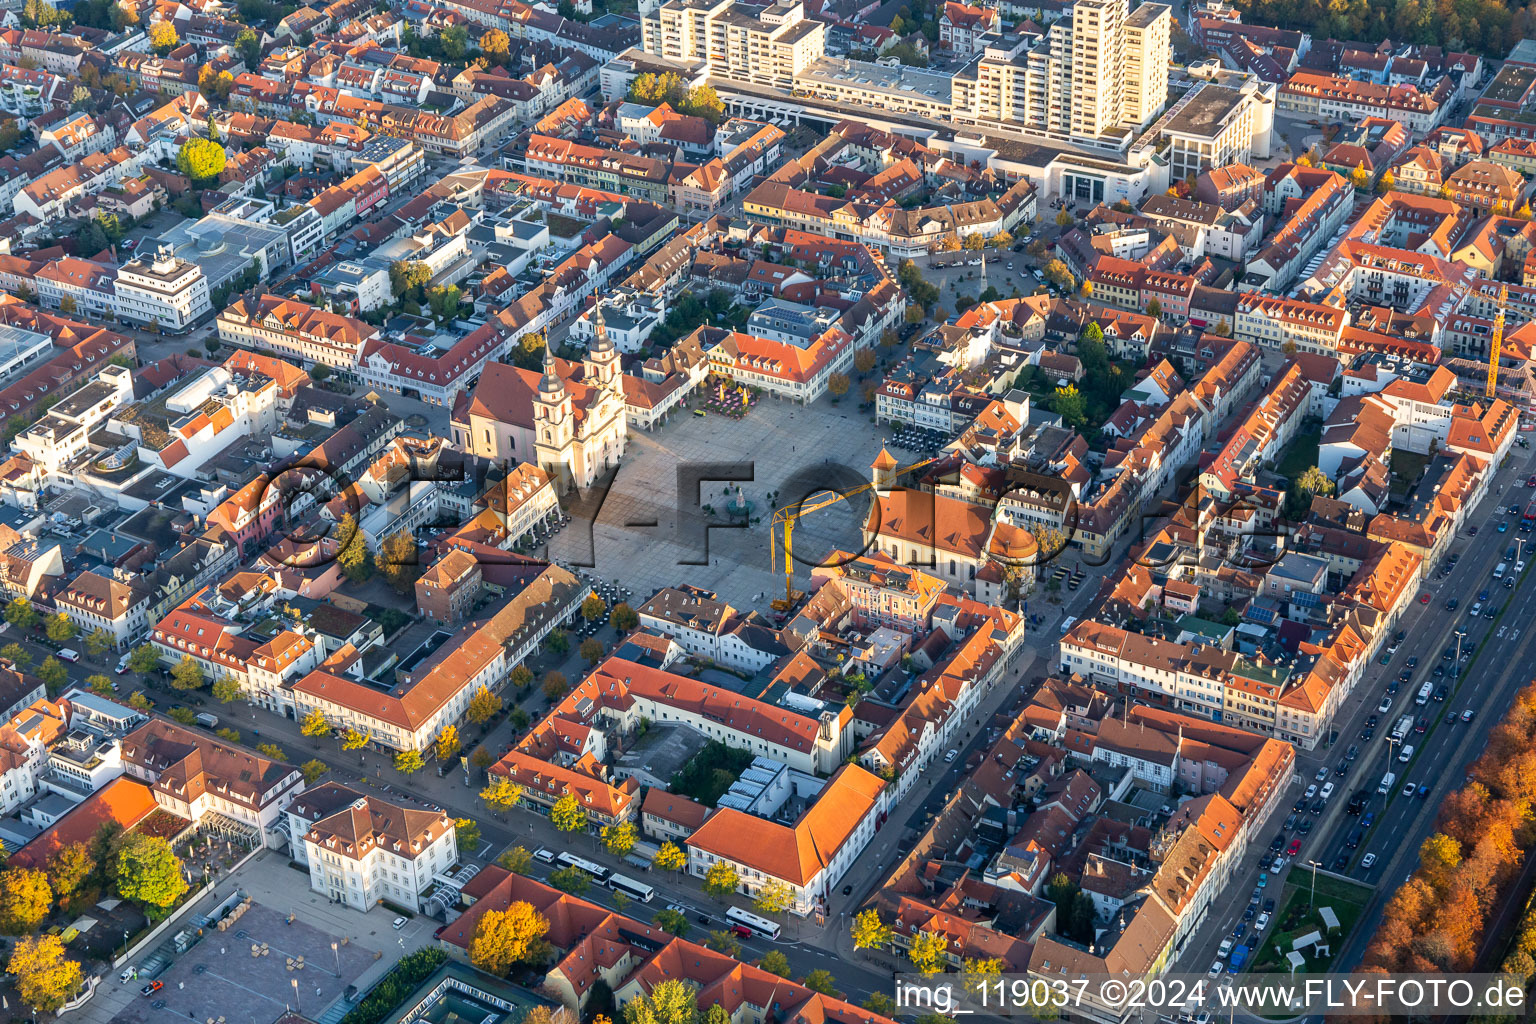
[
  {"x": 165, "y": 291},
  {"x": 773, "y": 48},
  {"x": 296, "y": 329}
]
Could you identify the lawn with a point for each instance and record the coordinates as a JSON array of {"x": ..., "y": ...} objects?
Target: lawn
[
  {"x": 1294, "y": 918},
  {"x": 1301, "y": 453}
]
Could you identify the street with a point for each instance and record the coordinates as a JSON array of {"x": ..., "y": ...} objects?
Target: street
[{"x": 1493, "y": 669}]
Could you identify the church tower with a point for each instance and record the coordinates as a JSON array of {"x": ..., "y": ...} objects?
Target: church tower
[
  {"x": 602, "y": 355},
  {"x": 553, "y": 424}
]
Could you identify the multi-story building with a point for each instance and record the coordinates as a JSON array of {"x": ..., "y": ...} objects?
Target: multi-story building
[
  {"x": 166, "y": 291},
  {"x": 772, "y": 48},
  {"x": 361, "y": 849},
  {"x": 226, "y": 789}
]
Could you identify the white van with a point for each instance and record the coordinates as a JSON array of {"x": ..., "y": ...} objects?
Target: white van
[
  {"x": 69, "y": 654},
  {"x": 1067, "y": 624},
  {"x": 1425, "y": 692},
  {"x": 1386, "y": 783},
  {"x": 1498, "y": 570},
  {"x": 1406, "y": 754}
]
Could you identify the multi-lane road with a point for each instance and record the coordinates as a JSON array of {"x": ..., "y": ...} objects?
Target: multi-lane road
[{"x": 1491, "y": 669}]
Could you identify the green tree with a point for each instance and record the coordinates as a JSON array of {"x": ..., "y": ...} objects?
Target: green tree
[
  {"x": 517, "y": 860},
  {"x": 396, "y": 561},
  {"x": 314, "y": 725},
  {"x": 775, "y": 962},
  {"x": 448, "y": 743},
  {"x": 98, "y": 642},
  {"x": 483, "y": 706},
  {"x": 139, "y": 702},
  {"x": 455, "y": 42},
  {"x": 929, "y": 952},
  {"x": 313, "y": 769},
  {"x": 53, "y": 674},
  {"x": 674, "y": 922},
  {"x": 148, "y": 872},
  {"x": 773, "y": 898},
  {"x": 567, "y": 814},
  {"x": 201, "y": 160},
  {"x": 409, "y": 762},
  {"x": 143, "y": 659},
  {"x": 249, "y": 47},
  {"x": 881, "y": 1003},
  {"x": 623, "y": 618},
  {"x": 61, "y": 628},
  {"x": 673, "y": 1001},
  {"x": 163, "y": 37},
  {"x": 272, "y": 751},
  {"x": 591, "y": 650},
  {"x": 506, "y": 937},
  {"x": 620, "y": 838},
  {"x": 869, "y": 932},
  {"x": 99, "y": 684},
  {"x": 821, "y": 981},
  {"x": 669, "y": 857},
  {"x": 45, "y": 978},
  {"x": 225, "y": 690},
  {"x": 228, "y": 734},
  {"x": 16, "y": 654},
  {"x": 570, "y": 880},
  {"x": 26, "y": 897},
  {"x": 352, "y": 555},
  {"x": 20, "y": 613},
  {"x": 724, "y": 942},
  {"x": 1069, "y": 404},
  {"x": 721, "y": 879},
  {"x": 1154, "y": 308},
  {"x": 501, "y": 794},
  {"x": 466, "y": 833},
  {"x": 188, "y": 674},
  {"x": 68, "y": 870}
]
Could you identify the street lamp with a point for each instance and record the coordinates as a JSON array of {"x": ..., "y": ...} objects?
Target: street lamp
[
  {"x": 295, "y": 983},
  {"x": 336, "y": 951},
  {"x": 1312, "y": 899}
]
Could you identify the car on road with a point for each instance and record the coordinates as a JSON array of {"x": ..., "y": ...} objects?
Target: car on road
[
  {"x": 397, "y": 923},
  {"x": 1471, "y": 531},
  {"x": 1424, "y": 598},
  {"x": 151, "y": 988},
  {"x": 1294, "y": 848},
  {"x": 1368, "y": 819},
  {"x": 847, "y": 890},
  {"x": 1467, "y": 715},
  {"x": 1385, "y": 705},
  {"x": 1410, "y": 788},
  {"x": 1341, "y": 769},
  {"x": 1520, "y": 566},
  {"x": 1483, "y": 594},
  {"x": 1248, "y": 912},
  {"x": 1352, "y": 753},
  {"x": 951, "y": 755},
  {"x": 1305, "y": 827},
  {"x": 1278, "y": 843},
  {"x": 1341, "y": 861},
  {"x": 1263, "y": 921},
  {"x": 1311, "y": 792},
  {"x": 1215, "y": 970},
  {"x": 1452, "y": 604},
  {"x": 677, "y": 908},
  {"x": 1322, "y": 773},
  {"x": 122, "y": 663},
  {"x": 1278, "y": 866},
  {"x": 1368, "y": 861},
  {"x": 741, "y": 931},
  {"x": 1421, "y": 724},
  {"x": 1442, "y": 692},
  {"x": 1325, "y": 792},
  {"x": 1423, "y": 791}
]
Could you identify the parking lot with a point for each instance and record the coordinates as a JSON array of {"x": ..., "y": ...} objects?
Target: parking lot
[{"x": 261, "y": 966}]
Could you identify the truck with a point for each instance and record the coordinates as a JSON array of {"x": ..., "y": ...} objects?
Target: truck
[
  {"x": 1403, "y": 727},
  {"x": 1237, "y": 959},
  {"x": 1529, "y": 516},
  {"x": 1386, "y": 783},
  {"x": 207, "y": 720}
]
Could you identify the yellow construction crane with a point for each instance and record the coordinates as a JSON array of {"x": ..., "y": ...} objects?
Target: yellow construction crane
[
  {"x": 1495, "y": 343},
  {"x": 789, "y": 515}
]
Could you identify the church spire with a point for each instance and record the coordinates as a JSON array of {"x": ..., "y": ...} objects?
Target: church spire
[
  {"x": 550, "y": 384},
  {"x": 601, "y": 343}
]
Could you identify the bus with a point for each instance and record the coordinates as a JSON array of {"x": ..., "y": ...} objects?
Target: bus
[
  {"x": 599, "y": 873},
  {"x": 631, "y": 888},
  {"x": 753, "y": 923}
]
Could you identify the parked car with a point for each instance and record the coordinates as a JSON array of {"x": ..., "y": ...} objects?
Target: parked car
[{"x": 151, "y": 988}]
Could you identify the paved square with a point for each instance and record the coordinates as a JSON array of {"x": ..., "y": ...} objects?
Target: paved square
[
  {"x": 651, "y": 536},
  {"x": 219, "y": 978}
]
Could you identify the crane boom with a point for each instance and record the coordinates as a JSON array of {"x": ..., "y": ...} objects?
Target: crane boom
[
  {"x": 789, "y": 515},
  {"x": 1496, "y": 343}
]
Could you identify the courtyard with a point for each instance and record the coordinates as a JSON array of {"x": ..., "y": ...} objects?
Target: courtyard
[{"x": 652, "y": 527}]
